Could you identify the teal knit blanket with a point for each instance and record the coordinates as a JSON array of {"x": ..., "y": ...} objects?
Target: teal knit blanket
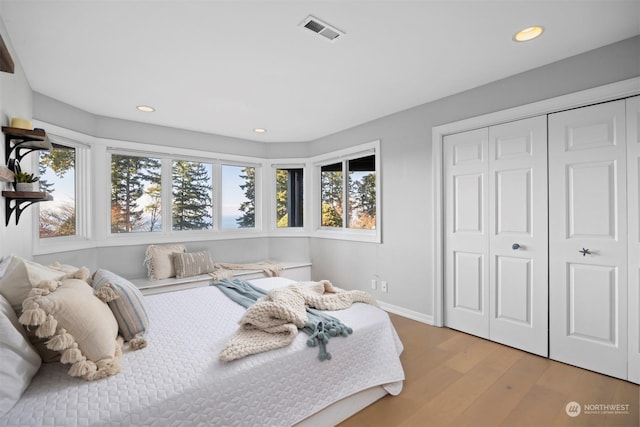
[{"x": 320, "y": 326}]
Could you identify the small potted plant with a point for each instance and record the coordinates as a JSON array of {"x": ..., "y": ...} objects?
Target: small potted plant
[{"x": 26, "y": 181}]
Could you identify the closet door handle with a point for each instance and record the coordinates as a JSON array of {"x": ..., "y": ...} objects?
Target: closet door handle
[
  {"x": 515, "y": 246},
  {"x": 585, "y": 252}
]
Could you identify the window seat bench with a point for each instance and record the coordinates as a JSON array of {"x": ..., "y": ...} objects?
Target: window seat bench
[{"x": 293, "y": 270}]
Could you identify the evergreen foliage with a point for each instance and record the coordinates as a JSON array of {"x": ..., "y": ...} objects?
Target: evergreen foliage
[
  {"x": 332, "y": 194},
  {"x": 363, "y": 201},
  {"x": 191, "y": 207},
  {"x": 248, "y": 207},
  {"x": 60, "y": 221},
  {"x": 129, "y": 176}
]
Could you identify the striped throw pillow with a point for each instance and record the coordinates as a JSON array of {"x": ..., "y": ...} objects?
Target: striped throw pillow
[
  {"x": 127, "y": 304},
  {"x": 192, "y": 263}
]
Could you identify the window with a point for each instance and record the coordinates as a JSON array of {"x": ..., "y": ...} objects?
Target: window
[
  {"x": 362, "y": 192},
  {"x": 332, "y": 192},
  {"x": 136, "y": 194},
  {"x": 238, "y": 197},
  {"x": 289, "y": 197},
  {"x": 348, "y": 191},
  {"x": 161, "y": 194},
  {"x": 192, "y": 186},
  {"x": 57, "y": 170}
]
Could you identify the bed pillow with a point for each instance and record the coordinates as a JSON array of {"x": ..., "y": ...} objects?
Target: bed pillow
[
  {"x": 65, "y": 268},
  {"x": 4, "y": 263},
  {"x": 20, "y": 362},
  {"x": 127, "y": 304},
  {"x": 78, "y": 324},
  {"x": 192, "y": 264},
  {"x": 159, "y": 260},
  {"x": 21, "y": 276}
]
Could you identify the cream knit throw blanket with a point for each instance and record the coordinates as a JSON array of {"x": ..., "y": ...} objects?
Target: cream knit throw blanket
[
  {"x": 269, "y": 268},
  {"x": 273, "y": 321}
]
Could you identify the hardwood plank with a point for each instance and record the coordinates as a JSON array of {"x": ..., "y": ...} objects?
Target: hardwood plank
[
  {"x": 471, "y": 356},
  {"x": 540, "y": 406},
  {"x": 455, "y": 379},
  {"x": 505, "y": 394}
]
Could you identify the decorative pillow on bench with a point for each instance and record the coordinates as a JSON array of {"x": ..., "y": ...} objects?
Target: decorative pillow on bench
[
  {"x": 192, "y": 263},
  {"x": 159, "y": 260}
]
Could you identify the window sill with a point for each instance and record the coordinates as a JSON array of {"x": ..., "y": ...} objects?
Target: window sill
[{"x": 368, "y": 236}]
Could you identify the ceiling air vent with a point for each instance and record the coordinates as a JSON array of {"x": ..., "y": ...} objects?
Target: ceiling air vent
[{"x": 322, "y": 28}]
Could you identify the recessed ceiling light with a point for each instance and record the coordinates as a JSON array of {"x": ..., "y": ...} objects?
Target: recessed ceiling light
[
  {"x": 259, "y": 130},
  {"x": 528, "y": 34},
  {"x": 146, "y": 108}
]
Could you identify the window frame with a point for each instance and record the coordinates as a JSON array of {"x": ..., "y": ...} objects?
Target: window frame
[
  {"x": 82, "y": 185},
  {"x": 258, "y": 197},
  {"x": 166, "y": 232},
  {"x": 343, "y": 156},
  {"x": 273, "y": 191},
  {"x": 93, "y": 189},
  {"x": 93, "y": 180}
]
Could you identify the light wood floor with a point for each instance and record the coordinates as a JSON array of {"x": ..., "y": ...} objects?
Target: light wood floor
[{"x": 455, "y": 379}]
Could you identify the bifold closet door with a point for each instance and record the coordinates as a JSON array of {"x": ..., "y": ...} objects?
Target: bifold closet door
[
  {"x": 518, "y": 215},
  {"x": 466, "y": 242},
  {"x": 633, "y": 163},
  {"x": 588, "y": 238},
  {"x": 495, "y": 272}
]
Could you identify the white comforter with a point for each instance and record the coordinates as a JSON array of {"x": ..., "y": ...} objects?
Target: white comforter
[{"x": 178, "y": 380}]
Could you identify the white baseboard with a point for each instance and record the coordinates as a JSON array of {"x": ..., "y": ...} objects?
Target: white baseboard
[{"x": 410, "y": 314}]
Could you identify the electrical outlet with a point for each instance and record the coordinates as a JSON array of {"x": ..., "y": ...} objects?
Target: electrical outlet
[
  {"x": 384, "y": 286},
  {"x": 374, "y": 284}
]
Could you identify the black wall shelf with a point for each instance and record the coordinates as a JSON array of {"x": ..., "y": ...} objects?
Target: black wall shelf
[
  {"x": 22, "y": 142},
  {"x": 18, "y": 201}
]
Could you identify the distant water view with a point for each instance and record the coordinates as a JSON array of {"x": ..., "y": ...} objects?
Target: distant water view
[{"x": 229, "y": 221}]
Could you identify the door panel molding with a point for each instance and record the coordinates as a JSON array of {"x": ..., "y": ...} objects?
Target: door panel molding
[
  {"x": 608, "y": 92},
  {"x": 588, "y": 250},
  {"x": 623, "y": 89}
]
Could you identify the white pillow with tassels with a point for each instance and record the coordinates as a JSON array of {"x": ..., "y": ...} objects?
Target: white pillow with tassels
[{"x": 78, "y": 324}]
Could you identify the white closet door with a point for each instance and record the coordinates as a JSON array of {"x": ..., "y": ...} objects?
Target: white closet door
[
  {"x": 518, "y": 234},
  {"x": 466, "y": 272},
  {"x": 633, "y": 163},
  {"x": 588, "y": 238}
]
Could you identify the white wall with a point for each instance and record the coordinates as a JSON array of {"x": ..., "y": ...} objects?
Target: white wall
[{"x": 15, "y": 101}]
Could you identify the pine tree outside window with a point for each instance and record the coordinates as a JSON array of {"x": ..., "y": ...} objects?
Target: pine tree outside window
[
  {"x": 192, "y": 184},
  {"x": 238, "y": 197},
  {"x": 348, "y": 191},
  {"x": 136, "y": 196},
  {"x": 332, "y": 195},
  {"x": 57, "y": 169},
  {"x": 362, "y": 192}
]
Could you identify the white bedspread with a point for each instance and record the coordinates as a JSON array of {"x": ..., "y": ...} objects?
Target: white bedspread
[{"x": 178, "y": 380}]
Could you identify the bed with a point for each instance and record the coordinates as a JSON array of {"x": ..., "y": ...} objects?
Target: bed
[{"x": 178, "y": 380}]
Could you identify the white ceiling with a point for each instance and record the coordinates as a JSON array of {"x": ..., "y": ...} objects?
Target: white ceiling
[{"x": 226, "y": 67}]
